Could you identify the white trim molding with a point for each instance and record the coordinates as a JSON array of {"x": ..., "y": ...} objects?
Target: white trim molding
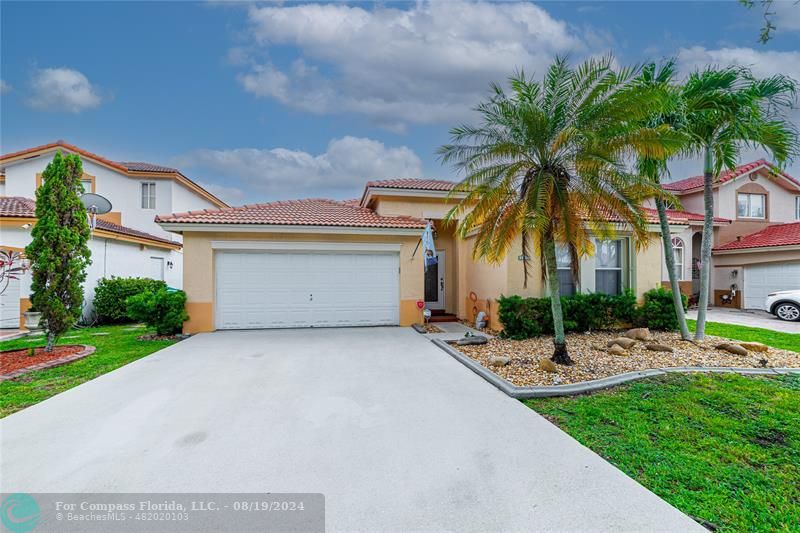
[
  {"x": 177, "y": 227},
  {"x": 307, "y": 246},
  {"x": 761, "y": 249}
]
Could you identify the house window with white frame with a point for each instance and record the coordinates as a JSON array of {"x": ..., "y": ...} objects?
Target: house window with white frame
[
  {"x": 566, "y": 279},
  {"x": 148, "y": 195},
  {"x": 608, "y": 273},
  {"x": 751, "y": 205},
  {"x": 678, "y": 254},
  {"x": 797, "y": 207},
  {"x": 87, "y": 185}
]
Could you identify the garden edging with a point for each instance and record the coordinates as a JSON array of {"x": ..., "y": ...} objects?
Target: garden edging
[
  {"x": 571, "y": 389},
  {"x": 87, "y": 350}
]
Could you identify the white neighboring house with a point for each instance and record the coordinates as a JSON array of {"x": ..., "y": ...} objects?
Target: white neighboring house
[{"x": 126, "y": 242}]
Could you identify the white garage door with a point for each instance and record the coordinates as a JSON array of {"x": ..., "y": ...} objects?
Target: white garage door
[
  {"x": 761, "y": 280},
  {"x": 296, "y": 289}
]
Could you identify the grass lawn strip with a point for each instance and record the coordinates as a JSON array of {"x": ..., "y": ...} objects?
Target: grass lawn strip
[
  {"x": 115, "y": 349},
  {"x": 776, "y": 339},
  {"x": 724, "y": 448}
]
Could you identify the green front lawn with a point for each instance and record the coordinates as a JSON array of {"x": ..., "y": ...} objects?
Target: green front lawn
[
  {"x": 114, "y": 350},
  {"x": 724, "y": 448},
  {"x": 776, "y": 339}
]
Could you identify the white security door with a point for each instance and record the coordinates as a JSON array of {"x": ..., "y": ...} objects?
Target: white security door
[
  {"x": 434, "y": 282},
  {"x": 760, "y": 280},
  {"x": 297, "y": 289},
  {"x": 9, "y": 305},
  {"x": 157, "y": 268}
]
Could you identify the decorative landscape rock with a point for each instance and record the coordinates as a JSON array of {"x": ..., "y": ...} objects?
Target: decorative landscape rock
[
  {"x": 659, "y": 348},
  {"x": 547, "y": 365},
  {"x": 732, "y": 348},
  {"x": 472, "y": 339},
  {"x": 639, "y": 334},
  {"x": 624, "y": 342},
  {"x": 616, "y": 349},
  {"x": 499, "y": 360},
  {"x": 754, "y": 346}
]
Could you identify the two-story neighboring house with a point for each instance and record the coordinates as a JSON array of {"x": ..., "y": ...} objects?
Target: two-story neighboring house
[
  {"x": 756, "y": 238},
  {"x": 125, "y": 242}
]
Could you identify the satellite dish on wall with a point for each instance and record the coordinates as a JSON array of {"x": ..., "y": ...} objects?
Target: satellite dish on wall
[{"x": 95, "y": 204}]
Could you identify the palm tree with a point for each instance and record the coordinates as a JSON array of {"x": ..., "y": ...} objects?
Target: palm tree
[
  {"x": 668, "y": 115},
  {"x": 723, "y": 111},
  {"x": 547, "y": 165}
]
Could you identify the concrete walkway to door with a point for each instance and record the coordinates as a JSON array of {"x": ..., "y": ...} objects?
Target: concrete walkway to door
[{"x": 396, "y": 434}]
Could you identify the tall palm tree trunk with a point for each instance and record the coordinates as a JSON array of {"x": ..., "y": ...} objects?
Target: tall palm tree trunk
[
  {"x": 669, "y": 255},
  {"x": 705, "y": 246},
  {"x": 560, "y": 354}
]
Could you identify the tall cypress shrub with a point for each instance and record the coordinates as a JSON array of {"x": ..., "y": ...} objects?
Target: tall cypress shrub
[{"x": 59, "y": 251}]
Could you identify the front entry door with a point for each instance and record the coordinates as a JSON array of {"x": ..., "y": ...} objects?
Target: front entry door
[{"x": 434, "y": 283}]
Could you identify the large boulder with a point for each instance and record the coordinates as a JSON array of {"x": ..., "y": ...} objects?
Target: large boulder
[
  {"x": 754, "y": 346},
  {"x": 731, "y": 348},
  {"x": 472, "y": 339},
  {"x": 499, "y": 360},
  {"x": 659, "y": 348},
  {"x": 624, "y": 342},
  {"x": 547, "y": 365},
  {"x": 616, "y": 349},
  {"x": 639, "y": 334}
]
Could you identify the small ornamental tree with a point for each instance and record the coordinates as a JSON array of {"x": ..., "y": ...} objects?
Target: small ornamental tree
[{"x": 59, "y": 251}]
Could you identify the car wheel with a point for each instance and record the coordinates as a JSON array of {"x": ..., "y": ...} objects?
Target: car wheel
[{"x": 787, "y": 311}]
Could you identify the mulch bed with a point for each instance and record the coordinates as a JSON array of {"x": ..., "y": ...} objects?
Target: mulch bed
[
  {"x": 14, "y": 363},
  {"x": 592, "y": 361}
]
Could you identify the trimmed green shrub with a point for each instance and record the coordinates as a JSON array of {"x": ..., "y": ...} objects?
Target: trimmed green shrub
[
  {"x": 658, "y": 311},
  {"x": 111, "y": 293},
  {"x": 164, "y": 309},
  {"x": 523, "y": 318}
]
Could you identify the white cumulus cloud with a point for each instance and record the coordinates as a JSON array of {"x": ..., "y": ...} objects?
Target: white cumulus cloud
[
  {"x": 62, "y": 89},
  {"x": 5, "y": 87},
  {"x": 280, "y": 173},
  {"x": 428, "y": 63}
]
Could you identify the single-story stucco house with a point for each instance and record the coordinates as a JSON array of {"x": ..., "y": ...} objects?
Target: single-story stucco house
[{"x": 320, "y": 262}]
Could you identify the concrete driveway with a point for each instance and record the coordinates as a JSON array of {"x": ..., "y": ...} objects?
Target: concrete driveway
[
  {"x": 753, "y": 318},
  {"x": 397, "y": 435}
]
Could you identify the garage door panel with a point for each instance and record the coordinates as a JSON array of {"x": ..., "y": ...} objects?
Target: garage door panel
[
  {"x": 760, "y": 280},
  {"x": 274, "y": 290}
]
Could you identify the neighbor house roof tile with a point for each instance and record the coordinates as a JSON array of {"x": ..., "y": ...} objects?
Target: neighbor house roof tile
[
  {"x": 777, "y": 235},
  {"x": 21, "y": 207},
  {"x": 311, "y": 212},
  {"x": 124, "y": 166},
  {"x": 413, "y": 183},
  {"x": 696, "y": 182}
]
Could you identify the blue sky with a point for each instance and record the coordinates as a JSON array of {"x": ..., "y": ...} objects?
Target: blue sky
[{"x": 272, "y": 101}]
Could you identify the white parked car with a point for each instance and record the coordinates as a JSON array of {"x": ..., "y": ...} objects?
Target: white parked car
[{"x": 784, "y": 304}]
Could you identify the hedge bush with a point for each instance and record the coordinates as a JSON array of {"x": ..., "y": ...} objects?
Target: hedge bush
[
  {"x": 523, "y": 318},
  {"x": 658, "y": 311},
  {"x": 111, "y": 293},
  {"x": 163, "y": 309}
]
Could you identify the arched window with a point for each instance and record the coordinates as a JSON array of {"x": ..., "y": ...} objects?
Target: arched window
[{"x": 677, "y": 251}]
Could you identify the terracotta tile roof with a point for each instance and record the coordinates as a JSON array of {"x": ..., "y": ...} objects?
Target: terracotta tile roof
[
  {"x": 778, "y": 235},
  {"x": 727, "y": 175},
  {"x": 17, "y": 206},
  {"x": 311, "y": 212},
  {"x": 20, "y": 207},
  {"x": 673, "y": 215},
  {"x": 411, "y": 183},
  {"x": 139, "y": 166}
]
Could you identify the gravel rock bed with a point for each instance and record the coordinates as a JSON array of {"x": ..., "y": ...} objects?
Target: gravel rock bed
[{"x": 593, "y": 362}]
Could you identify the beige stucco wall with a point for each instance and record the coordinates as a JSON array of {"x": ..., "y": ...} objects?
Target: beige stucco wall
[{"x": 199, "y": 270}]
